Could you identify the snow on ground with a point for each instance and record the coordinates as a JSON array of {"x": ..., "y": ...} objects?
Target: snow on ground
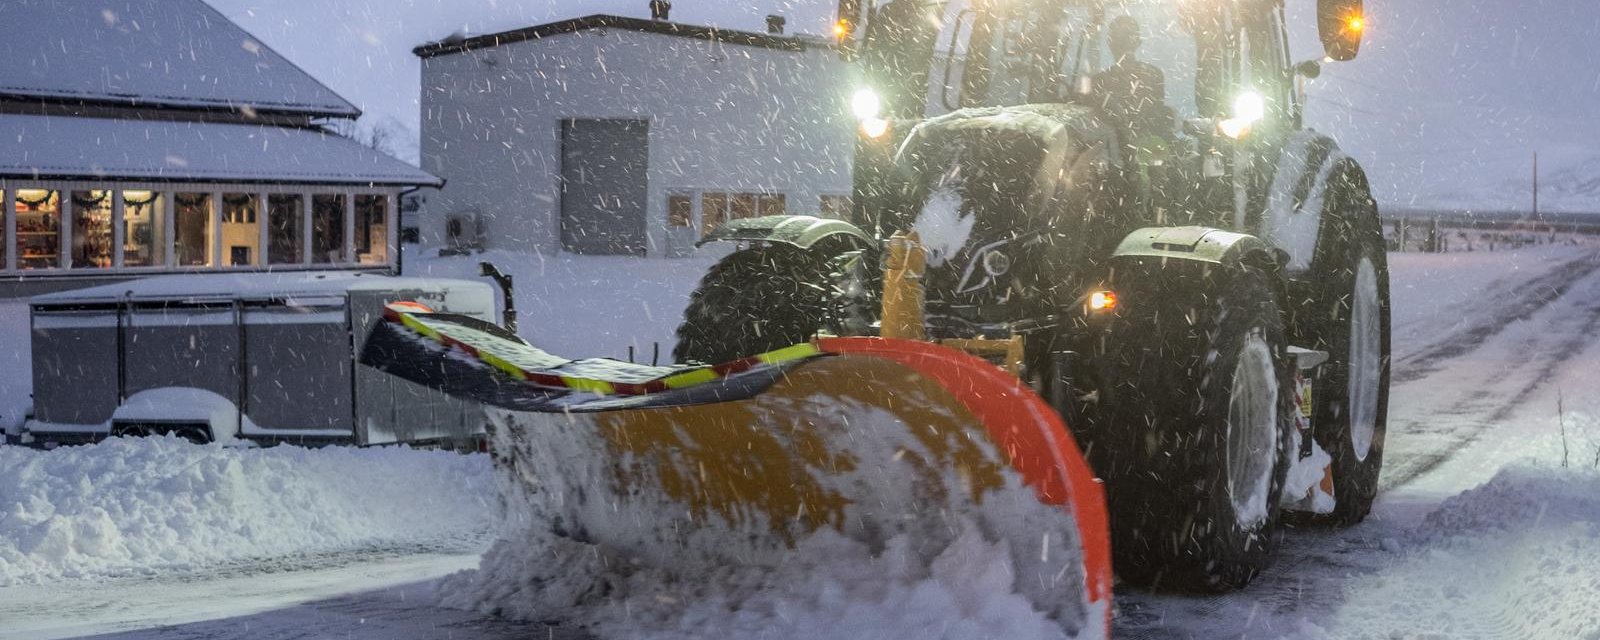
[
  {"x": 1481, "y": 532},
  {"x": 148, "y": 506}
]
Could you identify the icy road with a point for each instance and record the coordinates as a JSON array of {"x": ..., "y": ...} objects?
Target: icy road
[{"x": 1488, "y": 527}]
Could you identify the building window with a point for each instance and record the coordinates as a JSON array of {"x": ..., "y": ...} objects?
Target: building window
[
  {"x": 144, "y": 220},
  {"x": 327, "y": 228},
  {"x": 38, "y": 229},
  {"x": 241, "y": 229},
  {"x": 91, "y": 229},
  {"x": 193, "y": 229},
  {"x": 717, "y": 207},
  {"x": 372, "y": 229},
  {"x": 835, "y": 207},
  {"x": 285, "y": 228},
  {"x": 773, "y": 204},
  {"x": 680, "y": 210},
  {"x": 713, "y": 210},
  {"x": 743, "y": 205}
]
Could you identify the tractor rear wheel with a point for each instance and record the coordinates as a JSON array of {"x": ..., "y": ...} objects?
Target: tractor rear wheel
[
  {"x": 1194, "y": 424},
  {"x": 767, "y": 297}
]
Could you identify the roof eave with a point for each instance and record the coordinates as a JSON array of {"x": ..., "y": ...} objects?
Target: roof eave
[
  {"x": 600, "y": 21},
  {"x": 399, "y": 182},
  {"x": 82, "y": 100}
]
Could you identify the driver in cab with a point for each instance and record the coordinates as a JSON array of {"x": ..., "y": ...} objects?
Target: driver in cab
[{"x": 1131, "y": 91}]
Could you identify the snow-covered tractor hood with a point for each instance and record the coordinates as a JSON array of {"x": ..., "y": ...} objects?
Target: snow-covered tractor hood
[{"x": 998, "y": 194}]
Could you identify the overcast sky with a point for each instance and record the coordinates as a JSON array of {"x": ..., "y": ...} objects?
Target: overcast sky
[{"x": 1446, "y": 104}]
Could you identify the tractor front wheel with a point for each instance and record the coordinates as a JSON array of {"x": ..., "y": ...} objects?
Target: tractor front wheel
[
  {"x": 771, "y": 296},
  {"x": 1193, "y": 428}
]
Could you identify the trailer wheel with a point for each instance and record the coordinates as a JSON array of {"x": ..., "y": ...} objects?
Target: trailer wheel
[
  {"x": 1350, "y": 320},
  {"x": 1193, "y": 434},
  {"x": 772, "y": 296}
]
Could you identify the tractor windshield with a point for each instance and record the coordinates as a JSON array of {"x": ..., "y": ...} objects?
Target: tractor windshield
[
  {"x": 1149, "y": 56},
  {"x": 1011, "y": 52}
]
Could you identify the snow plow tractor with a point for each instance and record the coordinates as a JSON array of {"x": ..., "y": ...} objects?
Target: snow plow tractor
[
  {"x": 1102, "y": 297},
  {"x": 1116, "y": 201}
]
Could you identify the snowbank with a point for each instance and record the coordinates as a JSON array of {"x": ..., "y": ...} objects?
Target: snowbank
[
  {"x": 1514, "y": 558},
  {"x": 150, "y": 505}
]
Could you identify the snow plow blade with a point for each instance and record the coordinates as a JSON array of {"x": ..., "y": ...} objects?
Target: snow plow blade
[{"x": 734, "y": 465}]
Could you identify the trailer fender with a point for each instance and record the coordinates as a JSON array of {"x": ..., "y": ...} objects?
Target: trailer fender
[
  {"x": 799, "y": 231},
  {"x": 1198, "y": 244}
]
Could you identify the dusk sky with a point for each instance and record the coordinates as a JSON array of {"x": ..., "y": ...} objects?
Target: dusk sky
[{"x": 1446, "y": 105}]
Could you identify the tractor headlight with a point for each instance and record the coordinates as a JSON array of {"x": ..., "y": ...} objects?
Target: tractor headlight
[
  {"x": 866, "y": 105},
  {"x": 1248, "y": 109},
  {"x": 874, "y": 127}
]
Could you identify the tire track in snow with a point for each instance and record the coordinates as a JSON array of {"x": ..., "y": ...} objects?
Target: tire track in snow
[
  {"x": 1522, "y": 299},
  {"x": 1464, "y": 413}
]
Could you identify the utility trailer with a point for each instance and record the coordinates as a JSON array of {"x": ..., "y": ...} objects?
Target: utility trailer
[{"x": 265, "y": 358}]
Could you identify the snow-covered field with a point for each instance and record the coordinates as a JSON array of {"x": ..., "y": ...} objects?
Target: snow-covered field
[{"x": 1481, "y": 532}]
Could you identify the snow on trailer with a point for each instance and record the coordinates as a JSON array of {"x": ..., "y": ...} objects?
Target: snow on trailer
[{"x": 259, "y": 357}]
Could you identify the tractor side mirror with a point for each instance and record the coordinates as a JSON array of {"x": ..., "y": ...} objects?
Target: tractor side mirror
[{"x": 1341, "y": 23}]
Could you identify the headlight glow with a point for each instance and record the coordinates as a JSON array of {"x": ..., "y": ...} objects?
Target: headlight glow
[
  {"x": 1248, "y": 108},
  {"x": 874, "y": 127},
  {"x": 866, "y": 104}
]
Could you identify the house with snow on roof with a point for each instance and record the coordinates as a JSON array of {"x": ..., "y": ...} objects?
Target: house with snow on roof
[{"x": 155, "y": 136}]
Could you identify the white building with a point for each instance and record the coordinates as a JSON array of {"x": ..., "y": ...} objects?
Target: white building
[
  {"x": 154, "y": 136},
  {"x": 608, "y": 134}
]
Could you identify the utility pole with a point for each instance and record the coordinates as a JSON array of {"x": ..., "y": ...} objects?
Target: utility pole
[{"x": 1536, "y": 186}]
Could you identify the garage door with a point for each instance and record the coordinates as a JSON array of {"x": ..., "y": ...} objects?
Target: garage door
[{"x": 603, "y": 186}]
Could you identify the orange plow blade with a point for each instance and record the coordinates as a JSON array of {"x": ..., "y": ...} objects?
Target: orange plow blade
[{"x": 867, "y": 438}]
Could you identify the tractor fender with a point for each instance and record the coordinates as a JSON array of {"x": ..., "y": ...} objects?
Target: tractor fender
[
  {"x": 1310, "y": 169},
  {"x": 1198, "y": 244},
  {"x": 799, "y": 231}
]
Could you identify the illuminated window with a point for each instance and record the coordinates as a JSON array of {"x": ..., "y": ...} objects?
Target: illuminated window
[
  {"x": 713, "y": 210},
  {"x": 91, "y": 229},
  {"x": 241, "y": 229},
  {"x": 144, "y": 220},
  {"x": 193, "y": 229},
  {"x": 743, "y": 205},
  {"x": 285, "y": 228},
  {"x": 327, "y": 228},
  {"x": 773, "y": 204},
  {"x": 680, "y": 210},
  {"x": 372, "y": 229},
  {"x": 38, "y": 229}
]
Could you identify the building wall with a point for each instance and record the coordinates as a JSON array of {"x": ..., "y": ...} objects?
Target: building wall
[{"x": 723, "y": 117}]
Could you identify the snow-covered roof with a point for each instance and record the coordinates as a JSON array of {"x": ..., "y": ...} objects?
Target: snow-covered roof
[
  {"x": 176, "y": 53},
  {"x": 457, "y": 44},
  {"x": 63, "y": 147},
  {"x": 252, "y": 285}
]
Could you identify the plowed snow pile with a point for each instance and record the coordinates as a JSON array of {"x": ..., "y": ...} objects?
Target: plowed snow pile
[
  {"x": 151, "y": 505},
  {"x": 832, "y": 587},
  {"x": 1515, "y": 558}
]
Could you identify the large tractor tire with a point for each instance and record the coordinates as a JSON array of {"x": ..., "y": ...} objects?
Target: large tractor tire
[
  {"x": 772, "y": 296},
  {"x": 1193, "y": 426},
  {"x": 1348, "y": 317}
]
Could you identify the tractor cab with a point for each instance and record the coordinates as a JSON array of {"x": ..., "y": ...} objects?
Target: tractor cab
[{"x": 1200, "y": 93}]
